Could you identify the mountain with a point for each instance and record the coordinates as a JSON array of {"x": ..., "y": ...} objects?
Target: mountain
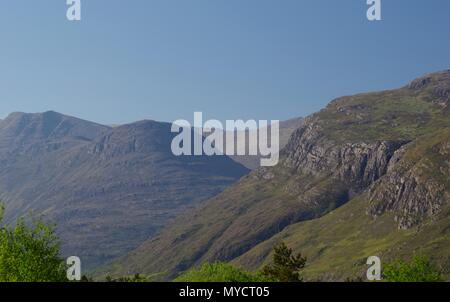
[
  {"x": 107, "y": 189},
  {"x": 367, "y": 175}
]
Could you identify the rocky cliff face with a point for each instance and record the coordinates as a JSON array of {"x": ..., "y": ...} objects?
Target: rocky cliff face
[
  {"x": 414, "y": 189},
  {"x": 356, "y": 164},
  {"x": 405, "y": 190},
  {"x": 405, "y": 212}
]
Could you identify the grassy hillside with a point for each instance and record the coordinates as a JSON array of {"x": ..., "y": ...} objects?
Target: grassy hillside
[
  {"x": 338, "y": 244},
  {"x": 418, "y": 108}
]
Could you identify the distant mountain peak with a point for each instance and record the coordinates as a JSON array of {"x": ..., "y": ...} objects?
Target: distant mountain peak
[{"x": 20, "y": 127}]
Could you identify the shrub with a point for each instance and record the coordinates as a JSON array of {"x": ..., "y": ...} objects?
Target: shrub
[
  {"x": 419, "y": 269},
  {"x": 30, "y": 253}
]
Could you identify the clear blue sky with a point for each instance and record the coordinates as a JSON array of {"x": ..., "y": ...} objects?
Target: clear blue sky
[{"x": 165, "y": 59}]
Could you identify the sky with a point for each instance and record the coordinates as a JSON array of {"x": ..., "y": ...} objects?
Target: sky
[{"x": 128, "y": 60}]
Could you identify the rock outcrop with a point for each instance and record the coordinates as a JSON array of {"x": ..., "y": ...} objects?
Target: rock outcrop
[
  {"x": 356, "y": 164},
  {"x": 414, "y": 188}
]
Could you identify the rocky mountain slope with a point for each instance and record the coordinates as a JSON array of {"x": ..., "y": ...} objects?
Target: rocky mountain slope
[
  {"x": 405, "y": 212},
  {"x": 351, "y": 158},
  {"x": 107, "y": 189}
]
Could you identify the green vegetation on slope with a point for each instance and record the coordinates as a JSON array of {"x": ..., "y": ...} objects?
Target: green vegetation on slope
[
  {"x": 30, "y": 254},
  {"x": 405, "y": 113},
  {"x": 220, "y": 272},
  {"x": 285, "y": 268},
  {"x": 338, "y": 244},
  {"x": 419, "y": 269}
]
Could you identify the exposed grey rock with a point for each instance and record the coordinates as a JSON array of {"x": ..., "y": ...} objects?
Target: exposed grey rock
[
  {"x": 357, "y": 164},
  {"x": 408, "y": 192}
]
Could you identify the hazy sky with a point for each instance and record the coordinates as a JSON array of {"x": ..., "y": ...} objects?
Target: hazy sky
[{"x": 165, "y": 59}]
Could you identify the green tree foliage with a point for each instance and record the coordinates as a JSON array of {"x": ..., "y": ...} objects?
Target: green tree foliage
[
  {"x": 29, "y": 253},
  {"x": 220, "y": 272},
  {"x": 286, "y": 266},
  {"x": 419, "y": 269}
]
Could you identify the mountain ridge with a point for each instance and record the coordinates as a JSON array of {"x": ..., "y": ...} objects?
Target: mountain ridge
[{"x": 107, "y": 189}]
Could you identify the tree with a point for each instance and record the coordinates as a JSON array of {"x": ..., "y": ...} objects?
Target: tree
[
  {"x": 420, "y": 269},
  {"x": 29, "y": 253},
  {"x": 286, "y": 267}
]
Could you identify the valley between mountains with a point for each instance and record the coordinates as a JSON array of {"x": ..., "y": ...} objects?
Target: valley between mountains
[{"x": 107, "y": 189}]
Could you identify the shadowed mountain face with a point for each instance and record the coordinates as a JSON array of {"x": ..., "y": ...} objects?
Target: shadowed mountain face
[
  {"x": 364, "y": 159},
  {"x": 107, "y": 189}
]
